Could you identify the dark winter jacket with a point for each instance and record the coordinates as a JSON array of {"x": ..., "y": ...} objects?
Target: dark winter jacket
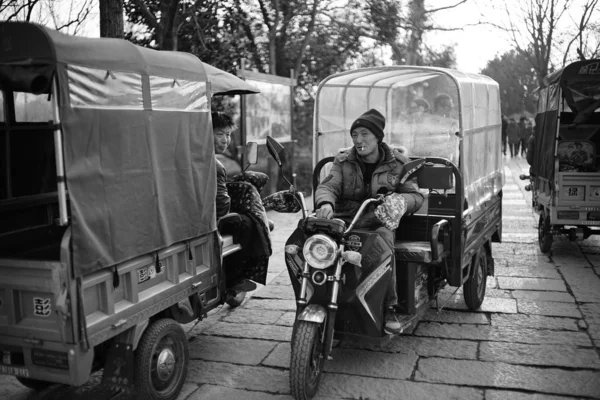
[
  {"x": 223, "y": 200},
  {"x": 344, "y": 187}
]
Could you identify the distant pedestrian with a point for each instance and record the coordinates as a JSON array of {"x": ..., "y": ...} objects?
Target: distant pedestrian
[
  {"x": 512, "y": 132},
  {"x": 504, "y": 133},
  {"x": 524, "y": 134}
]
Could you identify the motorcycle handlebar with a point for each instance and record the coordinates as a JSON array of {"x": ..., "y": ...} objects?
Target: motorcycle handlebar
[{"x": 377, "y": 200}]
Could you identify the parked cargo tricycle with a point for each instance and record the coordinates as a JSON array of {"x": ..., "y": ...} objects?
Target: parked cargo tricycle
[
  {"x": 108, "y": 232},
  {"x": 340, "y": 273},
  {"x": 565, "y": 168}
]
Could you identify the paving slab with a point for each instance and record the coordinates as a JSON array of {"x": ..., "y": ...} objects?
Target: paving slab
[
  {"x": 250, "y": 331},
  {"x": 255, "y": 316},
  {"x": 490, "y": 304},
  {"x": 357, "y": 387},
  {"x": 521, "y": 269},
  {"x": 536, "y": 295},
  {"x": 279, "y": 357},
  {"x": 540, "y": 354},
  {"x": 370, "y": 363},
  {"x": 235, "y": 351},
  {"x": 456, "y": 317},
  {"x": 423, "y": 346},
  {"x": 256, "y": 378},
  {"x": 503, "y": 375},
  {"x": 548, "y": 308},
  {"x": 208, "y": 392},
  {"x": 270, "y": 304},
  {"x": 591, "y": 313},
  {"x": 281, "y": 292},
  {"x": 511, "y": 283},
  {"x": 535, "y": 322},
  {"x": 515, "y": 395},
  {"x": 287, "y": 319},
  {"x": 501, "y": 334}
]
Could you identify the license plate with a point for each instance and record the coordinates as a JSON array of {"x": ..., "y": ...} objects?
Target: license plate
[
  {"x": 19, "y": 371},
  {"x": 146, "y": 273}
]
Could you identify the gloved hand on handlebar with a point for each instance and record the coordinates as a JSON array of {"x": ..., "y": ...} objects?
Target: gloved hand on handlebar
[{"x": 391, "y": 210}]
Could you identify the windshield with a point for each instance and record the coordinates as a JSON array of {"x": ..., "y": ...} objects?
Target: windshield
[
  {"x": 420, "y": 107},
  {"x": 586, "y": 96}
]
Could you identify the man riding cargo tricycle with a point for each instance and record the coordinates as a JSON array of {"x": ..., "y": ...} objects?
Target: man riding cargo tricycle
[
  {"x": 108, "y": 232},
  {"x": 393, "y": 225},
  {"x": 565, "y": 168}
]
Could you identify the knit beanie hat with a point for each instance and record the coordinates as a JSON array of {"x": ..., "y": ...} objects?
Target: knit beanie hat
[{"x": 372, "y": 120}]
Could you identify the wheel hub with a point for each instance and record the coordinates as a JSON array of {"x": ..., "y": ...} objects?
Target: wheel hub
[{"x": 165, "y": 364}]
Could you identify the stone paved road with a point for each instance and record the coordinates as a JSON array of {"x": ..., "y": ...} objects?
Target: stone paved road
[{"x": 536, "y": 336}]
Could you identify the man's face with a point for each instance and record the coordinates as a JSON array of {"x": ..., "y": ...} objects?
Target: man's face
[
  {"x": 365, "y": 141},
  {"x": 222, "y": 139}
]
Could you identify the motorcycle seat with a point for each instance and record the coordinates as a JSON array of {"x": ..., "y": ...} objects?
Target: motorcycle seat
[{"x": 407, "y": 250}]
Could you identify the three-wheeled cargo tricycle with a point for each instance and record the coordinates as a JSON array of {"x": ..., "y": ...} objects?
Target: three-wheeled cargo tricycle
[
  {"x": 108, "y": 236},
  {"x": 339, "y": 273},
  {"x": 565, "y": 168}
]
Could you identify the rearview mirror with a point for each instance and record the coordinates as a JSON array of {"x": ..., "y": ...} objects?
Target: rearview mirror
[
  {"x": 252, "y": 153},
  {"x": 275, "y": 149}
]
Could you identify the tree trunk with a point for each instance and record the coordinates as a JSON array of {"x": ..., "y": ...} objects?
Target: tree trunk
[{"x": 111, "y": 19}]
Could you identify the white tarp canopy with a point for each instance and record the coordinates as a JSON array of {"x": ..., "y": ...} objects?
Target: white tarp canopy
[{"x": 469, "y": 134}]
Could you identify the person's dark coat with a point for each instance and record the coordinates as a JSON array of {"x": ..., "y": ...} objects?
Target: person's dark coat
[{"x": 344, "y": 188}]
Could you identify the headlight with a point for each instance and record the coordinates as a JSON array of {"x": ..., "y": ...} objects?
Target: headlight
[{"x": 320, "y": 251}]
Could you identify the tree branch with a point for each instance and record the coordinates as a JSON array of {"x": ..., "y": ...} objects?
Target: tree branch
[
  {"x": 433, "y": 10},
  {"x": 151, "y": 18}
]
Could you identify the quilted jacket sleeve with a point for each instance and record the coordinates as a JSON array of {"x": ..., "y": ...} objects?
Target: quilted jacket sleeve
[
  {"x": 410, "y": 191},
  {"x": 330, "y": 189}
]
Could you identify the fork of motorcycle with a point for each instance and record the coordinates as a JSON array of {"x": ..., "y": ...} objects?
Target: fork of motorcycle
[
  {"x": 333, "y": 306},
  {"x": 305, "y": 275}
]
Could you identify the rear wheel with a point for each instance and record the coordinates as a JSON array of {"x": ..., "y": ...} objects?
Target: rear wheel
[
  {"x": 474, "y": 288},
  {"x": 161, "y": 361},
  {"x": 307, "y": 359},
  {"x": 544, "y": 235},
  {"x": 34, "y": 384}
]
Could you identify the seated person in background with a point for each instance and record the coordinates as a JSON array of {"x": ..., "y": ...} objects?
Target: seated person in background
[
  {"x": 223, "y": 127},
  {"x": 369, "y": 168},
  {"x": 241, "y": 214}
]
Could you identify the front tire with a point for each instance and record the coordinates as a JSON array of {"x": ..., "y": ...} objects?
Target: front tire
[
  {"x": 161, "y": 361},
  {"x": 544, "y": 235},
  {"x": 307, "y": 359},
  {"x": 474, "y": 288}
]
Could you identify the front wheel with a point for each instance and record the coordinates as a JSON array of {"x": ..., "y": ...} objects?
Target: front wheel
[
  {"x": 161, "y": 361},
  {"x": 307, "y": 359},
  {"x": 474, "y": 289},
  {"x": 544, "y": 235}
]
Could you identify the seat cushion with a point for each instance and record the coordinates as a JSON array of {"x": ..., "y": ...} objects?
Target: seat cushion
[{"x": 415, "y": 251}]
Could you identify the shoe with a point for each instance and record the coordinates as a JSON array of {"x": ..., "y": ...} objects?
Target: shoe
[
  {"x": 392, "y": 325},
  {"x": 244, "y": 286}
]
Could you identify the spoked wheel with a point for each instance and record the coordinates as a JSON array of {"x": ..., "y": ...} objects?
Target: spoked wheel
[
  {"x": 161, "y": 361},
  {"x": 307, "y": 360},
  {"x": 544, "y": 235},
  {"x": 474, "y": 289}
]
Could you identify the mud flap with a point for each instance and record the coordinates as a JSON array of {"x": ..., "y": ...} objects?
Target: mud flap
[
  {"x": 313, "y": 313},
  {"x": 118, "y": 368}
]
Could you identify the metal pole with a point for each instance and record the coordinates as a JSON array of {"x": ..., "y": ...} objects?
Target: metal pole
[
  {"x": 60, "y": 168},
  {"x": 243, "y": 133}
]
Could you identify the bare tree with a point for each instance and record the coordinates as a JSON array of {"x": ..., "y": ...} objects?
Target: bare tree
[
  {"x": 533, "y": 31},
  {"x": 166, "y": 22},
  {"x": 111, "y": 19},
  {"x": 17, "y": 10},
  {"x": 582, "y": 35},
  {"x": 68, "y": 17},
  {"x": 400, "y": 25}
]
